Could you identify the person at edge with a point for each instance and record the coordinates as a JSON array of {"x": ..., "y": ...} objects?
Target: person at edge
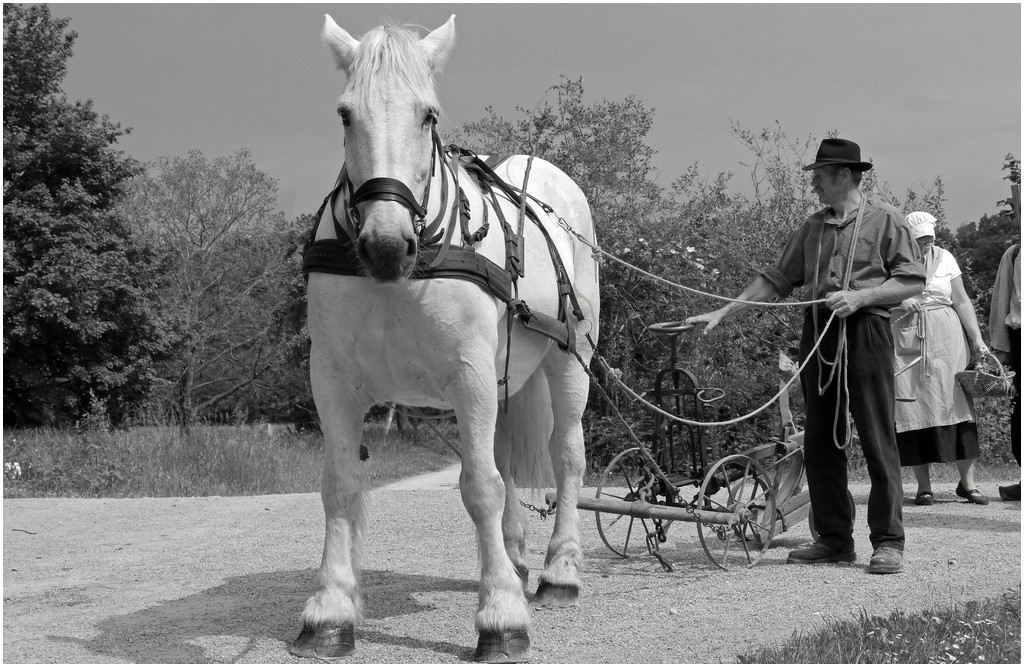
[
  {"x": 883, "y": 270},
  {"x": 1004, "y": 331},
  {"x": 936, "y": 335}
]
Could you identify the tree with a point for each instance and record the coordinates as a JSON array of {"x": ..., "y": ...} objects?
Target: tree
[
  {"x": 216, "y": 224},
  {"x": 80, "y": 334},
  {"x": 289, "y": 396},
  {"x": 700, "y": 233}
]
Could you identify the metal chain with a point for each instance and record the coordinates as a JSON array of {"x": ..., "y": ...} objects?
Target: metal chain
[{"x": 543, "y": 512}]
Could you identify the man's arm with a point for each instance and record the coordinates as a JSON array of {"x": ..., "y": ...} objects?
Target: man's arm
[
  {"x": 759, "y": 290},
  {"x": 894, "y": 290}
]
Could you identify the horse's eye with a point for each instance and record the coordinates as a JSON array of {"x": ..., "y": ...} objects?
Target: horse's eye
[{"x": 345, "y": 115}]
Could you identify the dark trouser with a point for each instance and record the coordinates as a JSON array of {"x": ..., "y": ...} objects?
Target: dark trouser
[
  {"x": 872, "y": 405},
  {"x": 1014, "y": 366}
]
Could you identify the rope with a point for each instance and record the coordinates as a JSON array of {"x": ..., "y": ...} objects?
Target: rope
[
  {"x": 841, "y": 362},
  {"x": 639, "y": 399},
  {"x": 598, "y": 250}
]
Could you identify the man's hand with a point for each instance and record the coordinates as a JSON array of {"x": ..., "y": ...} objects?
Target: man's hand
[
  {"x": 846, "y": 303},
  {"x": 712, "y": 319}
]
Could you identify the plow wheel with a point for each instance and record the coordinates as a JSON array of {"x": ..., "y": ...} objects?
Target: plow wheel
[
  {"x": 628, "y": 477},
  {"x": 739, "y": 485}
]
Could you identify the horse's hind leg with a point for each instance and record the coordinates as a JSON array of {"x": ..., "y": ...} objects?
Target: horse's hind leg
[
  {"x": 559, "y": 582},
  {"x": 329, "y": 616},
  {"x": 513, "y": 520}
]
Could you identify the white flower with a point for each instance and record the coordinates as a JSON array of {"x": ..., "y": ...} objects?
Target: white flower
[{"x": 690, "y": 248}]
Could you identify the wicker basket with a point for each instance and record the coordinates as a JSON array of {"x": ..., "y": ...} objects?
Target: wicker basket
[{"x": 981, "y": 382}]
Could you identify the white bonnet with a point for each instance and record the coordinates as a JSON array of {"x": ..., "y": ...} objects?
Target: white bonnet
[{"x": 921, "y": 224}]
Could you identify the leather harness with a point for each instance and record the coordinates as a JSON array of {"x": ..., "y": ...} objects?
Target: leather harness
[{"x": 437, "y": 256}]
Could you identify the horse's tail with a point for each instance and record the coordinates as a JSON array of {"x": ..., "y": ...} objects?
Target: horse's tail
[{"x": 522, "y": 433}]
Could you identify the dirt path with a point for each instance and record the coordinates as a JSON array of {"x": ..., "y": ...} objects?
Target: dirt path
[{"x": 223, "y": 580}]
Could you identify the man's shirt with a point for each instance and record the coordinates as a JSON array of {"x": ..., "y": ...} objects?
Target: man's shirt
[{"x": 884, "y": 250}]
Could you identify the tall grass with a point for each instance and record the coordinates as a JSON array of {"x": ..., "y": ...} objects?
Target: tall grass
[
  {"x": 209, "y": 460},
  {"x": 974, "y": 632}
]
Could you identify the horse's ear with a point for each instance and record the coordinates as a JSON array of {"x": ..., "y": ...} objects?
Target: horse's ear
[
  {"x": 342, "y": 45},
  {"x": 438, "y": 44}
]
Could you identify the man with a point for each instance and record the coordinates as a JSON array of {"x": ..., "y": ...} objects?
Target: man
[
  {"x": 884, "y": 269},
  {"x": 1004, "y": 328}
]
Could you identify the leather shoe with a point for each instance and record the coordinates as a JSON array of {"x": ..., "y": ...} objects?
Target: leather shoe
[
  {"x": 924, "y": 498},
  {"x": 886, "y": 560},
  {"x": 819, "y": 553},
  {"x": 1011, "y": 492},
  {"x": 972, "y": 495}
]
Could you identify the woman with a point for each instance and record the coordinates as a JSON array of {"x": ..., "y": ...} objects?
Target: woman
[{"x": 934, "y": 416}]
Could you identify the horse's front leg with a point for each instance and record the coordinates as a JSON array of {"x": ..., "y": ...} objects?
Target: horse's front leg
[
  {"x": 502, "y": 617},
  {"x": 559, "y": 584},
  {"x": 329, "y": 617}
]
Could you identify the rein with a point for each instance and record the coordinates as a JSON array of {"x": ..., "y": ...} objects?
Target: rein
[{"x": 841, "y": 362}]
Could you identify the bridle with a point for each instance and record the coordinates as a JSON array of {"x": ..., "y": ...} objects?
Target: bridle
[{"x": 391, "y": 189}]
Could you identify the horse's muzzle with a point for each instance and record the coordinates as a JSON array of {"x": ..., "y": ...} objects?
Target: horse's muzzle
[{"x": 387, "y": 258}]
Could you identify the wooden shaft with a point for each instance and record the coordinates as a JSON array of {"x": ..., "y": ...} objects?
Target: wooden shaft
[{"x": 642, "y": 510}]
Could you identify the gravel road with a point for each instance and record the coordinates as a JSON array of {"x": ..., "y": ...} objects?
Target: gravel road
[{"x": 174, "y": 580}]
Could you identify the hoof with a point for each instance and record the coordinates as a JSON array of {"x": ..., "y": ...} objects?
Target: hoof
[
  {"x": 329, "y": 643},
  {"x": 502, "y": 647},
  {"x": 524, "y": 575},
  {"x": 557, "y": 595}
]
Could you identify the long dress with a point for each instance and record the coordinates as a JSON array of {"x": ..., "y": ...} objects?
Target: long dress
[{"x": 937, "y": 425}]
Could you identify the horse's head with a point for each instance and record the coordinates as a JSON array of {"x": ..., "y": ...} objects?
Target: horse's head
[{"x": 389, "y": 109}]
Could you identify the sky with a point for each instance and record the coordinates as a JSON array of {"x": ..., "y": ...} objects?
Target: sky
[{"x": 927, "y": 90}]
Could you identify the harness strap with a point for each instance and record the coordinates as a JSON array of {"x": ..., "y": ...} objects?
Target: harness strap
[
  {"x": 387, "y": 189},
  {"x": 446, "y": 244},
  {"x": 342, "y": 228},
  {"x": 338, "y": 256},
  {"x": 340, "y": 259},
  {"x": 427, "y": 236}
]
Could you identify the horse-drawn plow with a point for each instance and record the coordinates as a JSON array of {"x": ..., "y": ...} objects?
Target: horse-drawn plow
[{"x": 739, "y": 502}]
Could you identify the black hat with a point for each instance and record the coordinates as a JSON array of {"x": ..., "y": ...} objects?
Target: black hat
[{"x": 839, "y": 151}]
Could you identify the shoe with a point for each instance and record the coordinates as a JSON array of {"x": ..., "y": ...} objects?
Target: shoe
[
  {"x": 972, "y": 495},
  {"x": 1011, "y": 492},
  {"x": 819, "y": 553},
  {"x": 924, "y": 498},
  {"x": 886, "y": 560}
]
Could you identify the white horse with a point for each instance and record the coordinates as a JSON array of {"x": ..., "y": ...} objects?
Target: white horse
[{"x": 441, "y": 342}]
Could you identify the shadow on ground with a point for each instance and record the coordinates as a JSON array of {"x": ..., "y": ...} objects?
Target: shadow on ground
[{"x": 256, "y": 608}]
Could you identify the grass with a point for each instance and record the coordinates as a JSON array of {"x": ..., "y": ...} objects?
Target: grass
[
  {"x": 988, "y": 631},
  {"x": 208, "y": 461}
]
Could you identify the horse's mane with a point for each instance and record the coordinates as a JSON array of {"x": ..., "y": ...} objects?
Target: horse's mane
[{"x": 388, "y": 53}]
